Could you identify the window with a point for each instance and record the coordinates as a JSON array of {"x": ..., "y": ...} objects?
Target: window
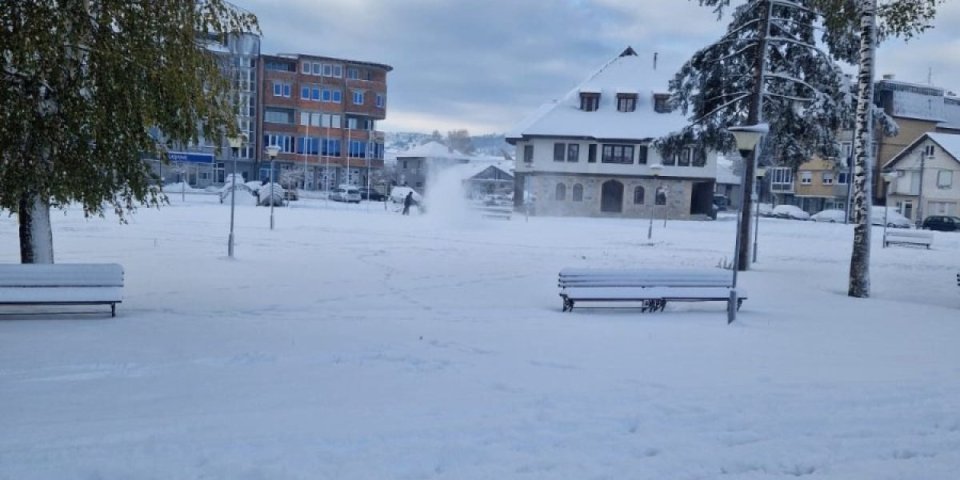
[
  {"x": 661, "y": 102},
  {"x": 642, "y": 154},
  {"x": 379, "y": 100},
  {"x": 559, "y": 152},
  {"x": 843, "y": 178},
  {"x": 846, "y": 150},
  {"x": 404, "y": 164},
  {"x": 281, "y": 89},
  {"x": 573, "y": 152},
  {"x": 285, "y": 142},
  {"x": 928, "y": 151},
  {"x": 528, "y": 153},
  {"x": 638, "y": 194},
  {"x": 316, "y": 68},
  {"x": 305, "y": 92},
  {"x": 337, "y": 96},
  {"x": 351, "y": 123},
  {"x": 315, "y": 93},
  {"x": 781, "y": 179},
  {"x": 327, "y": 70},
  {"x": 338, "y": 71},
  {"x": 353, "y": 73},
  {"x": 327, "y": 95},
  {"x": 661, "y": 197},
  {"x": 357, "y": 97},
  {"x": 308, "y": 145},
  {"x": 577, "y": 192},
  {"x": 945, "y": 179},
  {"x": 331, "y": 147},
  {"x": 278, "y": 116},
  {"x": 617, "y": 154},
  {"x": 561, "y": 193},
  {"x": 684, "y": 157},
  {"x": 626, "y": 102},
  {"x": 592, "y": 153},
  {"x": 589, "y": 101},
  {"x": 827, "y": 178},
  {"x": 806, "y": 178},
  {"x": 306, "y": 68},
  {"x": 280, "y": 67},
  {"x": 358, "y": 149}
]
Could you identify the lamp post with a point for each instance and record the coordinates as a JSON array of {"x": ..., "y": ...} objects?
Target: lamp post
[
  {"x": 888, "y": 177},
  {"x": 655, "y": 169},
  {"x": 235, "y": 144},
  {"x": 746, "y": 138},
  {"x": 272, "y": 152},
  {"x": 761, "y": 172}
]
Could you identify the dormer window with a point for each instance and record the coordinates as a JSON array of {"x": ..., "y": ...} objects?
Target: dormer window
[
  {"x": 626, "y": 102},
  {"x": 661, "y": 102},
  {"x": 589, "y": 101}
]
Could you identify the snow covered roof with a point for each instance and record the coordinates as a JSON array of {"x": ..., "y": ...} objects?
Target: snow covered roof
[
  {"x": 628, "y": 72},
  {"x": 432, "y": 149},
  {"x": 949, "y": 142}
]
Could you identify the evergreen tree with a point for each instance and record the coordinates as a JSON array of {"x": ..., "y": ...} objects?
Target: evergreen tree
[{"x": 83, "y": 82}]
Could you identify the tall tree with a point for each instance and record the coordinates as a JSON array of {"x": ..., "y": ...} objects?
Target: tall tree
[
  {"x": 81, "y": 85},
  {"x": 460, "y": 141},
  {"x": 766, "y": 68}
]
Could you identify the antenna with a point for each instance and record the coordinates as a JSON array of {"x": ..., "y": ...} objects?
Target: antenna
[
  {"x": 929, "y": 75},
  {"x": 655, "y": 60}
]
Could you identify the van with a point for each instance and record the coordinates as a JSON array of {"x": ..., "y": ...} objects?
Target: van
[{"x": 346, "y": 193}]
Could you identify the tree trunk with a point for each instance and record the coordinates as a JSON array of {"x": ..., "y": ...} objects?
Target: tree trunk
[
  {"x": 863, "y": 154},
  {"x": 754, "y": 117},
  {"x": 36, "y": 236}
]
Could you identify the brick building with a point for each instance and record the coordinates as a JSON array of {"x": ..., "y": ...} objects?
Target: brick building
[{"x": 322, "y": 113}]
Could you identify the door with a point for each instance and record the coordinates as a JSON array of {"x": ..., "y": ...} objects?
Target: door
[{"x": 611, "y": 197}]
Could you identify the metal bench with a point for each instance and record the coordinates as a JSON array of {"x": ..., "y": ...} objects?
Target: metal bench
[
  {"x": 491, "y": 211},
  {"x": 653, "y": 287},
  {"x": 62, "y": 284},
  {"x": 908, "y": 237}
]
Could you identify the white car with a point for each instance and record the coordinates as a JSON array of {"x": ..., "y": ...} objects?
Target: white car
[
  {"x": 829, "y": 216},
  {"x": 790, "y": 211},
  {"x": 346, "y": 193},
  {"x": 893, "y": 217}
]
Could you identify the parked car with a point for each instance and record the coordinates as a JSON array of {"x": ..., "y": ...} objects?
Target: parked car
[
  {"x": 892, "y": 216},
  {"x": 829, "y": 216},
  {"x": 371, "y": 194},
  {"x": 291, "y": 194},
  {"x": 397, "y": 194},
  {"x": 790, "y": 211},
  {"x": 346, "y": 193},
  {"x": 944, "y": 223}
]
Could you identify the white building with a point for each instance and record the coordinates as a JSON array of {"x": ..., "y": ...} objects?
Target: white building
[
  {"x": 927, "y": 177},
  {"x": 589, "y": 153}
]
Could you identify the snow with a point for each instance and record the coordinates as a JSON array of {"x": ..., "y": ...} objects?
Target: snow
[
  {"x": 626, "y": 73},
  {"x": 353, "y": 342},
  {"x": 949, "y": 142}
]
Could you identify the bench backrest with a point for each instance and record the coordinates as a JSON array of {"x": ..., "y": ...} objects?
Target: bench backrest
[
  {"x": 909, "y": 234},
  {"x": 61, "y": 275},
  {"x": 644, "y": 278}
]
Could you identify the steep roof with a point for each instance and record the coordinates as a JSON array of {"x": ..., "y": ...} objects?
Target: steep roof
[
  {"x": 627, "y": 73},
  {"x": 949, "y": 142},
  {"x": 432, "y": 149}
]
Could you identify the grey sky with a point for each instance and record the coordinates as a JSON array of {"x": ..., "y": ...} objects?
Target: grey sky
[{"x": 485, "y": 64}]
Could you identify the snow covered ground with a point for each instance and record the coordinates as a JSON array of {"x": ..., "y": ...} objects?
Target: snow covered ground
[{"x": 356, "y": 343}]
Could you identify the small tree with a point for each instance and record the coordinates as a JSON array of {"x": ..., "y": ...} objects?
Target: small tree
[
  {"x": 83, "y": 82},
  {"x": 460, "y": 140}
]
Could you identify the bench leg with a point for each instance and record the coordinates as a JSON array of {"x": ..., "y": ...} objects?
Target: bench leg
[
  {"x": 740, "y": 303},
  {"x": 113, "y": 309},
  {"x": 567, "y": 304}
]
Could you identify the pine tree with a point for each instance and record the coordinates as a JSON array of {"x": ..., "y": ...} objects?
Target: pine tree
[
  {"x": 83, "y": 83},
  {"x": 801, "y": 93}
]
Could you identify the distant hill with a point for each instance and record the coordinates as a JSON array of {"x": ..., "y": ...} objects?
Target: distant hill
[{"x": 491, "y": 144}]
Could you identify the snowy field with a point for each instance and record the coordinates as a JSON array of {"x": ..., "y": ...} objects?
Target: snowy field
[{"x": 354, "y": 343}]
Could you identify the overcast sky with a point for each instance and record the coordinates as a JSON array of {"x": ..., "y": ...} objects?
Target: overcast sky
[{"x": 484, "y": 65}]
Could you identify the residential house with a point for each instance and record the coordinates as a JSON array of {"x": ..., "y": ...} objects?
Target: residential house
[
  {"x": 590, "y": 152},
  {"x": 917, "y": 109},
  {"x": 416, "y": 165},
  {"x": 927, "y": 177}
]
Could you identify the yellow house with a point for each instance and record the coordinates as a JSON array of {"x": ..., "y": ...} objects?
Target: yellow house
[{"x": 821, "y": 184}]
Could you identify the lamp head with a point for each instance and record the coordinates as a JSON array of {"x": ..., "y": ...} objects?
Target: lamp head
[
  {"x": 747, "y": 136},
  {"x": 272, "y": 151},
  {"x": 889, "y": 176},
  {"x": 656, "y": 168},
  {"x": 237, "y": 141},
  {"x": 761, "y": 171}
]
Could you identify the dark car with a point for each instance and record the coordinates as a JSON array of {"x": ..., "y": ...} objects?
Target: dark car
[
  {"x": 943, "y": 223},
  {"x": 371, "y": 194}
]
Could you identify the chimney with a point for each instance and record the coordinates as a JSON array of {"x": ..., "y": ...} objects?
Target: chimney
[
  {"x": 654, "y": 60},
  {"x": 888, "y": 76}
]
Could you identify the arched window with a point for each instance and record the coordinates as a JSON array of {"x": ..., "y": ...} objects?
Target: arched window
[
  {"x": 561, "y": 191},
  {"x": 638, "y": 194},
  {"x": 577, "y": 192}
]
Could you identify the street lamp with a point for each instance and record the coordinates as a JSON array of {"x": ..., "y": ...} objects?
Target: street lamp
[
  {"x": 887, "y": 177},
  {"x": 655, "y": 169},
  {"x": 272, "y": 152},
  {"x": 761, "y": 172},
  {"x": 235, "y": 144},
  {"x": 747, "y": 138}
]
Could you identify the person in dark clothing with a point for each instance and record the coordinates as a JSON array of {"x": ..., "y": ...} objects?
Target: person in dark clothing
[{"x": 407, "y": 201}]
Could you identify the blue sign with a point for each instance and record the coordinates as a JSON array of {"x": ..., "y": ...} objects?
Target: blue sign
[{"x": 190, "y": 157}]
